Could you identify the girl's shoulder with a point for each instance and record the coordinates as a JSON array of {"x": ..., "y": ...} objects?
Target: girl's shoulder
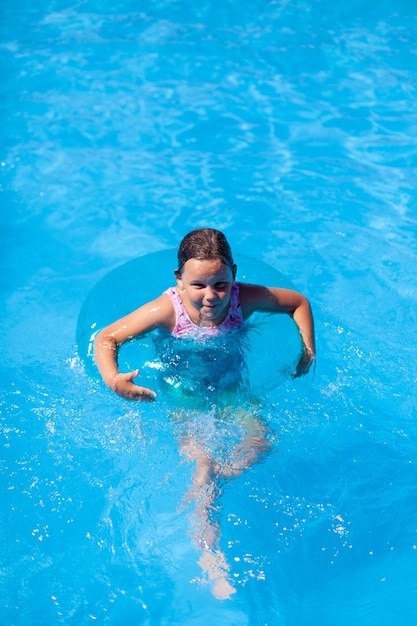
[
  {"x": 159, "y": 312},
  {"x": 251, "y": 291},
  {"x": 249, "y": 296},
  {"x": 255, "y": 297}
]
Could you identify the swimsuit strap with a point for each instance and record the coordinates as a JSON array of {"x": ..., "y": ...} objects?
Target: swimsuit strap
[{"x": 184, "y": 326}]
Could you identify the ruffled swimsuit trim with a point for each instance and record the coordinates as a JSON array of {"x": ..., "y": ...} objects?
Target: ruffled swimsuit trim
[{"x": 185, "y": 327}]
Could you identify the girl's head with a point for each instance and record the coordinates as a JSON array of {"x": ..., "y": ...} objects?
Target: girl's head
[
  {"x": 205, "y": 275},
  {"x": 205, "y": 244}
]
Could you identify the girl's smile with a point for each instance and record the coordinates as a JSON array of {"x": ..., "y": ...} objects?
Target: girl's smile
[{"x": 205, "y": 288}]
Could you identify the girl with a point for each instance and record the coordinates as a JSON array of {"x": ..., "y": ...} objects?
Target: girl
[{"x": 205, "y": 302}]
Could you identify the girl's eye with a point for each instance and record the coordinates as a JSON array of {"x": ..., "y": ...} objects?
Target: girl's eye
[{"x": 220, "y": 285}]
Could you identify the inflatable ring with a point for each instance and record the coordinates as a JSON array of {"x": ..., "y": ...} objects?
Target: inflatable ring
[{"x": 273, "y": 345}]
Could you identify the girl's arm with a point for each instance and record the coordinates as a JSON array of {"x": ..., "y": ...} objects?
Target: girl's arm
[
  {"x": 276, "y": 300},
  {"x": 156, "y": 314}
]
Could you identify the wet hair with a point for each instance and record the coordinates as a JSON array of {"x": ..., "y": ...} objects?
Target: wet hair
[{"x": 205, "y": 244}]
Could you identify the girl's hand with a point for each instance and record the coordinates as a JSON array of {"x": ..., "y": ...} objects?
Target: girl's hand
[
  {"x": 303, "y": 366},
  {"x": 122, "y": 384}
]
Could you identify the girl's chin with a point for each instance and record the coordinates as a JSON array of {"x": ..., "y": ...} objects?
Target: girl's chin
[
  {"x": 209, "y": 311},
  {"x": 207, "y": 318},
  {"x": 211, "y": 315}
]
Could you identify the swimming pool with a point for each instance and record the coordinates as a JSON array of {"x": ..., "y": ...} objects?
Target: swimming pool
[{"x": 292, "y": 127}]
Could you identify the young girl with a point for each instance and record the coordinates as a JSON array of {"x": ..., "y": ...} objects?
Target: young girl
[{"x": 207, "y": 304}]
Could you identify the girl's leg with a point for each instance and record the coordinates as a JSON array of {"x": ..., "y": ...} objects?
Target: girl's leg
[
  {"x": 207, "y": 477},
  {"x": 256, "y": 444},
  {"x": 205, "y": 530}
]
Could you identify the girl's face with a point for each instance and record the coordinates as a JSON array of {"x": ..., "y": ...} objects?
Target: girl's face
[{"x": 205, "y": 288}]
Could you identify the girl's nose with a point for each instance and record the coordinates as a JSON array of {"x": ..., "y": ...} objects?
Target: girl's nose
[{"x": 210, "y": 294}]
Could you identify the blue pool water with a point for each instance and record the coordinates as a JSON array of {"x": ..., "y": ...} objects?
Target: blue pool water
[{"x": 290, "y": 125}]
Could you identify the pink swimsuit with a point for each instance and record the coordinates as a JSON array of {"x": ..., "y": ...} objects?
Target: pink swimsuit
[{"x": 185, "y": 327}]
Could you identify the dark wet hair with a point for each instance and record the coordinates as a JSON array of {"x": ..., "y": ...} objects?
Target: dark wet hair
[{"x": 205, "y": 244}]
